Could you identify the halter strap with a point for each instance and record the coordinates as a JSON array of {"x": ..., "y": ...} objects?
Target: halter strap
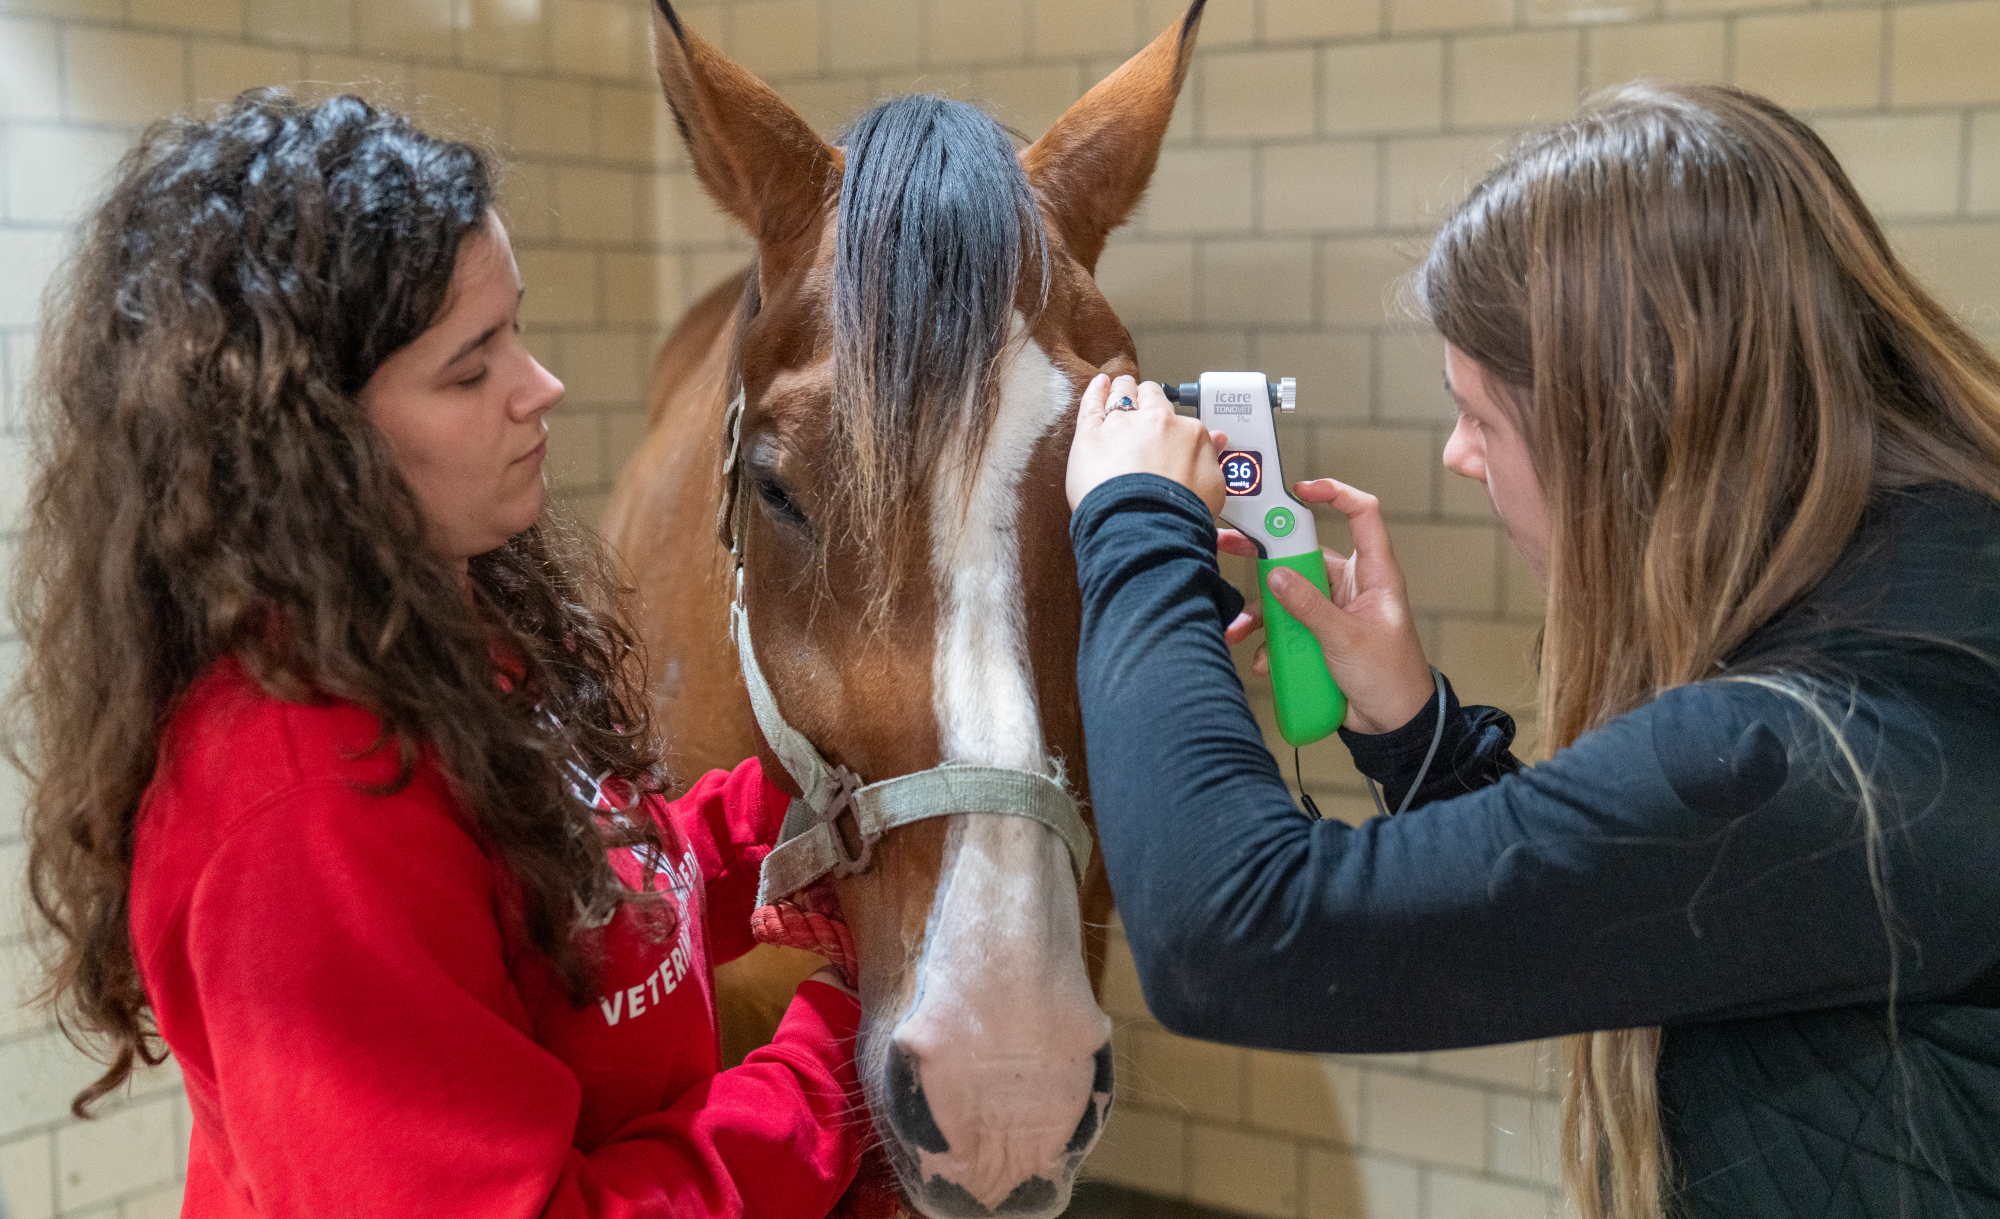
[{"x": 810, "y": 843}]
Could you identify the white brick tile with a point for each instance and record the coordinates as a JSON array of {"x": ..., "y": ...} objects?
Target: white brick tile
[
  {"x": 1249, "y": 1174},
  {"x": 1945, "y": 54},
  {"x": 1570, "y": 12},
  {"x": 119, "y": 1153},
  {"x": 111, "y": 76},
  {"x": 1080, "y": 27},
  {"x": 312, "y": 23},
  {"x": 1306, "y": 1094},
  {"x": 1903, "y": 165},
  {"x": 1120, "y": 992},
  {"x": 199, "y": 16},
  {"x": 1341, "y": 1185},
  {"x": 27, "y": 1186},
  {"x": 460, "y": 104},
  {"x": 1675, "y": 8},
  {"x": 13, "y": 889},
  {"x": 864, "y": 35},
  {"x": 606, "y": 367},
  {"x": 1520, "y": 1064},
  {"x": 1200, "y": 190},
  {"x": 1457, "y": 1197},
  {"x": 1143, "y": 1149},
  {"x": 20, "y": 979},
  {"x": 1515, "y": 79},
  {"x": 643, "y": 289},
  {"x": 87, "y": 10},
  {"x": 221, "y": 70},
  {"x": 1029, "y": 99},
  {"x": 680, "y": 212},
  {"x": 547, "y": 116},
  {"x": 1257, "y": 94},
  {"x": 381, "y": 80},
  {"x": 1393, "y": 464},
  {"x": 1960, "y": 263},
  {"x": 561, "y": 286},
  {"x": 16, "y": 465},
  {"x": 161, "y": 1203},
  {"x": 1424, "y": 1119},
  {"x": 633, "y": 126},
  {"x": 708, "y": 22},
  {"x": 38, "y": 1077},
  {"x": 1390, "y": 86},
  {"x": 1985, "y": 167},
  {"x": 599, "y": 37},
  {"x": 528, "y": 201},
  {"x": 1171, "y": 1072},
  {"x": 1429, "y": 175},
  {"x": 1411, "y": 386},
  {"x": 830, "y": 105},
  {"x": 1812, "y": 61},
  {"x": 976, "y": 31},
  {"x": 1406, "y": 16},
  {"x": 1335, "y": 372},
  {"x": 54, "y": 173},
  {"x": 1148, "y": 281},
  {"x": 576, "y": 451},
  {"x": 1451, "y": 568},
  {"x": 596, "y": 205},
  {"x": 1222, "y": 25},
  {"x": 1357, "y": 276},
  {"x": 624, "y": 432},
  {"x": 1527, "y": 1138},
  {"x": 1257, "y": 281},
  {"x": 1182, "y": 354},
  {"x": 505, "y": 35},
  {"x": 30, "y": 88},
  {"x": 1322, "y": 187},
  {"x": 710, "y": 268},
  {"x": 1677, "y": 50},
  {"x": 1289, "y": 19},
  {"x": 776, "y": 37},
  {"x": 1522, "y": 596},
  {"x": 404, "y": 27}
]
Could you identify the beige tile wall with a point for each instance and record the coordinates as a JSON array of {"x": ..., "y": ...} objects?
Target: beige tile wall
[{"x": 1316, "y": 144}]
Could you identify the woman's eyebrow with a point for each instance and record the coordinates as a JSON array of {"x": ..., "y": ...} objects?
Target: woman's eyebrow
[{"x": 473, "y": 345}]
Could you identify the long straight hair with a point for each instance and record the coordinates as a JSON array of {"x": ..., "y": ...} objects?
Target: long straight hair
[{"x": 1716, "y": 360}]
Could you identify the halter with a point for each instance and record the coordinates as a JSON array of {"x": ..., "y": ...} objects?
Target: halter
[{"x": 810, "y": 843}]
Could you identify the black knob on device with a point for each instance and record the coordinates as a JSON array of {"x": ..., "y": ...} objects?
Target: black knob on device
[{"x": 1187, "y": 393}]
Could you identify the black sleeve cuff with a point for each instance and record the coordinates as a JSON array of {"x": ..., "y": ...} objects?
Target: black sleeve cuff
[{"x": 1169, "y": 504}]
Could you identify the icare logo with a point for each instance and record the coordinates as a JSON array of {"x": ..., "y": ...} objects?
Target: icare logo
[
  {"x": 1243, "y": 472},
  {"x": 1229, "y": 402}
]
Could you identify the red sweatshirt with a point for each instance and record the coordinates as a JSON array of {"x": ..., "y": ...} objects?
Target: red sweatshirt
[{"x": 362, "y": 1034}]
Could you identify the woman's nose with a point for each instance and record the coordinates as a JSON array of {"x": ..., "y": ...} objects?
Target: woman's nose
[{"x": 1464, "y": 455}]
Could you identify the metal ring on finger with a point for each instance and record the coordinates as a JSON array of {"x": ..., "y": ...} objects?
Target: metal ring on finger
[{"x": 1124, "y": 404}]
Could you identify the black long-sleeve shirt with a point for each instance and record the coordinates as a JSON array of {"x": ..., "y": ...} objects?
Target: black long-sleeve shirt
[{"x": 1701, "y": 862}]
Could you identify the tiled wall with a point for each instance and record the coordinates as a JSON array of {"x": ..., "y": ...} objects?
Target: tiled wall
[{"x": 1314, "y": 147}]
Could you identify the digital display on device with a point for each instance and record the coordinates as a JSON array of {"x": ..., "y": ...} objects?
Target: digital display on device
[{"x": 1243, "y": 471}]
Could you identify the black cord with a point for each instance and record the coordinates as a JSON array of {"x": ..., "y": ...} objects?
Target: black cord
[{"x": 1305, "y": 797}]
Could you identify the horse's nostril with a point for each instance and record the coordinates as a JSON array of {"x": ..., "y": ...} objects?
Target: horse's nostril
[
  {"x": 909, "y": 1112},
  {"x": 1031, "y": 1197},
  {"x": 1100, "y": 1085},
  {"x": 1100, "y": 1080}
]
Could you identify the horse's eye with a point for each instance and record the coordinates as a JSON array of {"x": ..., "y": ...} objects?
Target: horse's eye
[{"x": 778, "y": 500}]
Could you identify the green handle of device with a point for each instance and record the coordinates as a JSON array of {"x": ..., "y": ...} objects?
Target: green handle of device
[{"x": 1310, "y": 705}]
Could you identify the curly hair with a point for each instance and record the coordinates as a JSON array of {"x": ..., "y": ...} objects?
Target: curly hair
[{"x": 210, "y": 486}]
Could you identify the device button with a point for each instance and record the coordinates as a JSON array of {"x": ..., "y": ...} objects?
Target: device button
[{"x": 1280, "y": 522}]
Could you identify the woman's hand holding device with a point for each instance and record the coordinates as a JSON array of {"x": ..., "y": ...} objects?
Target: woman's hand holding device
[
  {"x": 1365, "y": 628},
  {"x": 1123, "y": 427}
]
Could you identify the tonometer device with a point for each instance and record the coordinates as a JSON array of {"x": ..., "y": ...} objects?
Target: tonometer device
[{"x": 1261, "y": 507}]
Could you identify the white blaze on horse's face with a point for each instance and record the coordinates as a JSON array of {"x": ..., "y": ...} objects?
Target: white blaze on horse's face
[{"x": 1000, "y": 1072}]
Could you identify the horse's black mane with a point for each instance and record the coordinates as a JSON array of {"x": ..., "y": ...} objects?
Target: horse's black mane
[{"x": 937, "y": 226}]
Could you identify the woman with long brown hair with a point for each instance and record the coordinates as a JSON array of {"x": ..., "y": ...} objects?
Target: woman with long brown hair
[
  {"x": 343, "y": 788},
  {"x": 1757, "y": 468}
]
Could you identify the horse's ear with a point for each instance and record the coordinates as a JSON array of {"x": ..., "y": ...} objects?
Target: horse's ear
[
  {"x": 1093, "y": 165},
  {"x": 761, "y": 162}
]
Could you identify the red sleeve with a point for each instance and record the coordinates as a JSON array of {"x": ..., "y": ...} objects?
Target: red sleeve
[
  {"x": 731, "y": 818},
  {"x": 373, "y": 1056}
]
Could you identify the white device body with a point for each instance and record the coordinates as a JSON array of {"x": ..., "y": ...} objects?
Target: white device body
[{"x": 1238, "y": 404}]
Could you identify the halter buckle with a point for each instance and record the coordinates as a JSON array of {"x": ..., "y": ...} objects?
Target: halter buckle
[{"x": 846, "y": 784}]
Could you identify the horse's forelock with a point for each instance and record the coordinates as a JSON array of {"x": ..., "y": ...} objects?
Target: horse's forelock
[{"x": 936, "y": 225}]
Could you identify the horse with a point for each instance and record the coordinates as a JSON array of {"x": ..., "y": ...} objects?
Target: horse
[{"x": 855, "y": 456}]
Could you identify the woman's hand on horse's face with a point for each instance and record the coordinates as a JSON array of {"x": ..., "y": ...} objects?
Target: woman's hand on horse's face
[
  {"x": 1365, "y": 628},
  {"x": 1148, "y": 440}
]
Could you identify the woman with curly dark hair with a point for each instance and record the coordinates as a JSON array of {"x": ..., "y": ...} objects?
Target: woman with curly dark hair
[{"x": 343, "y": 789}]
